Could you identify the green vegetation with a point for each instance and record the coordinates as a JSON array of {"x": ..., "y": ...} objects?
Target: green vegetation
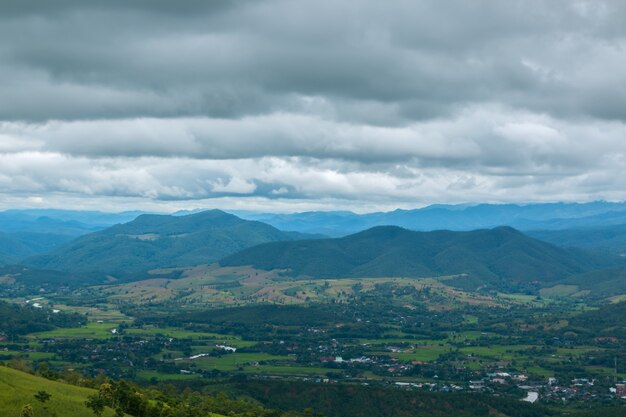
[
  {"x": 35, "y": 278},
  {"x": 88, "y": 331},
  {"x": 498, "y": 257},
  {"x": 602, "y": 283},
  {"x": 19, "y": 388},
  {"x": 23, "y": 394},
  {"x": 23, "y": 319},
  {"x": 350, "y": 400}
]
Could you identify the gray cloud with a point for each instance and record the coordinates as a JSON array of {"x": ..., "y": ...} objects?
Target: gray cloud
[
  {"x": 396, "y": 102},
  {"x": 420, "y": 59}
]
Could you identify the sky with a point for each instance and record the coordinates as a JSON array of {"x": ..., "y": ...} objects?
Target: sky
[{"x": 294, "y": 105}]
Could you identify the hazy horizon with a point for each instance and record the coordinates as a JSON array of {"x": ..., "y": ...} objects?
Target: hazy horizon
[{"x": 242, "y": 211}]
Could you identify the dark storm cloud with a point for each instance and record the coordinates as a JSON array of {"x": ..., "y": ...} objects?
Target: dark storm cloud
[
  {"x": 228, "y": 59},
  {"x": 47, "y": 8}
]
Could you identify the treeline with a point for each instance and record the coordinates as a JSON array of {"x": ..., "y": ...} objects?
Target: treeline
[
  {"x": 127, "y": 399},
  {"x": 608, "y": 321},
  {"x": 374, "y": 401},
  {"x": 365, "y": 318},
  {"x": 19, "y": 320}
]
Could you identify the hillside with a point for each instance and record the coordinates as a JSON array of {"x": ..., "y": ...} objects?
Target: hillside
[
  {"x": 20, "y": 276},
  {"x": 486, "y": 256},
  {"x": 599, "y": 284},
  {"x": 11, "y": 249},
  {"x": 607, "y": 321},
  {"x": 155, "y": 241},
  {"x": 18, "y": 388}
]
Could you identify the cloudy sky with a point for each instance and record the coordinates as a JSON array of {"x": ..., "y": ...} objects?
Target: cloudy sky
[{"x": 290, "y": 105}]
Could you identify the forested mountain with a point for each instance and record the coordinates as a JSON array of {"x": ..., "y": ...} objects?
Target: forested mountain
[
  {"x": 155, "y": 241},
  {"x": 11, "y": 249},
  {"x": 486, "y": 256},
  {"x": 16, "y": 246}
]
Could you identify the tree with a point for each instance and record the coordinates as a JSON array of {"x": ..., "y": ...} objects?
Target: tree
[
  {"x": 43, "y": 396},
  {"x": 96, "y": 404}
]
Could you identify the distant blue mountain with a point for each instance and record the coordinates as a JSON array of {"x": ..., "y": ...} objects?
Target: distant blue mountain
[
  {"x": 25, "y": 233},
  {"x": 554, "y": 216}
]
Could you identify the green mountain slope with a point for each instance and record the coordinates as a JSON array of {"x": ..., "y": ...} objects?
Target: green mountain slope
[
  {"x": 11, "y": 249},
  {"x": 18, "y": 388},
  {"x": 600, "y": 283},
  {"x": 155, "y": 241},
  {"x": 487, "y": 256},
  {"x": 607, "y": 321}
]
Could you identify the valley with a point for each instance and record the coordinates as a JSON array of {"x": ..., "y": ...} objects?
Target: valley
[{"x": 423, "y": 316}]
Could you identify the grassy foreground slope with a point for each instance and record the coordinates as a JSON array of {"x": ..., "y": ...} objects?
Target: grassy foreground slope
[{"x": 18, "y": 388}]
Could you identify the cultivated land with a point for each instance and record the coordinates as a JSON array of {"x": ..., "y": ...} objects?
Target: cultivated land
[{"x": 470, "y": 337}]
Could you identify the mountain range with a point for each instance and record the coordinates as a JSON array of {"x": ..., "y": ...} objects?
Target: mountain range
[
  {"x": 25, "y": 233},
  {"x": 598, "y": 225},
  {"x": 156, "y": 241},
  {"x": 488, "y": 256},
  {"x": 554, "y": 216}
]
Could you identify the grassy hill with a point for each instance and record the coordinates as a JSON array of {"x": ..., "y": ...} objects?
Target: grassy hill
[
  {"x": 156, "y": 241},
  {"x": 18, "y": 388},
  {"x": 486, "y": 256}
]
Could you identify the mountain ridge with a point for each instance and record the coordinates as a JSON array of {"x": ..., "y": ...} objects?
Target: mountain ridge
[
  {"x": 453, "y": 217},
  {"x": 484, "y": 255},
  {"x": 156, "y": 241}
]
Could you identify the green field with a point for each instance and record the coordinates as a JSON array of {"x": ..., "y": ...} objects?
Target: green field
[
  {"x": 92, "y": 330},
  {"x": 234, "y": 361},
  {"x": 421, "y": 353}
]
